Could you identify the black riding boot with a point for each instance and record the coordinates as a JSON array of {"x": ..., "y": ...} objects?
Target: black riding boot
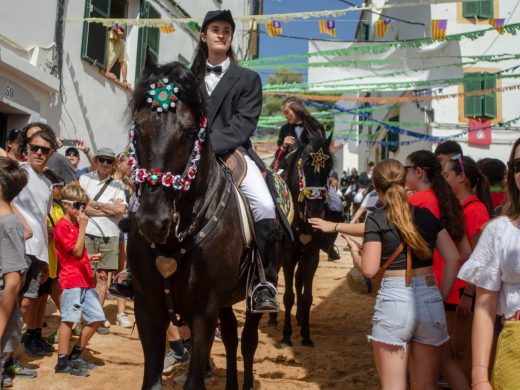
[{"x": 268, "y": 235}]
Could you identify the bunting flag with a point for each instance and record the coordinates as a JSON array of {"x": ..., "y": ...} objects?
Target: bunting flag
[
  {"x": 479, "y": 131},
  {"x": 381, "y": 27},
  {"x": 439, "y": 29},
  {"x": 498, "y": 24},
  {"x": 274, "y": 28},
  {"x": 328, "y": 26},
  {"x": 167, "y": 28}
]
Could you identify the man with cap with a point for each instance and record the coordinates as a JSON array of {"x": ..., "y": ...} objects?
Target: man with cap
[
  {"x": 116, "y": 52},
  {"x": 72, "y": 154},
  {"x": 12, "y": 148},
  {"x": 234, "y": 96},
  {"x": 106, "y": 207}
]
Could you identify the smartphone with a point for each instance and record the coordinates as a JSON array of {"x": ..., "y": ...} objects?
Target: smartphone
[{"x": 68, "y": 142}]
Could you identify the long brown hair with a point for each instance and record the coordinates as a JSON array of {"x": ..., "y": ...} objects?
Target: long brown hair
[
  {"x": 311, "y": 125},
  {"x": 451, "y": 212},
  {"x": 512, "y": 207},
  {"x": 389, "y": 179},
  {"x": 198, "y": 66}
]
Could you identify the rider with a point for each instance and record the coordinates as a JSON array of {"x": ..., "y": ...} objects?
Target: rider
[
  {"x": 300, "y": 127},
  {"x": 234, "y": 96}
]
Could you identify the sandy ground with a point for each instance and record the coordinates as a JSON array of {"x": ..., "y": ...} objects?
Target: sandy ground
[{"x": 341, "y": 359}]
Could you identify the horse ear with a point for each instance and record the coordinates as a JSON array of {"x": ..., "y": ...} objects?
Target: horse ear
[
  {"x": 329, "y": 139},
  {"x": 149, "y": 64}
]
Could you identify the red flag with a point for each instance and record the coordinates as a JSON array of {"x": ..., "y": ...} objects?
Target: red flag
[{"x": 479, "y": 131}]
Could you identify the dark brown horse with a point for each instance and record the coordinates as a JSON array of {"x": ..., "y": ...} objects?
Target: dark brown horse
[
  {"x": 199, "y": 227},
  {"x": 307, "y": 172}
]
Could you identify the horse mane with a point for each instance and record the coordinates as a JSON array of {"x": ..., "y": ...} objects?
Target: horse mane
[{"x": 189, "y": 91}]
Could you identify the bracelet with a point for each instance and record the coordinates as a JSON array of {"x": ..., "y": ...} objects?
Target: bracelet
[
  {"x": 86, "y": 150},
  {"x": 480, "y": 367},
  {"x": 468, "y": 295},
  {"x": 336, "y": 227},
  {"x": 479, "y": 382}
]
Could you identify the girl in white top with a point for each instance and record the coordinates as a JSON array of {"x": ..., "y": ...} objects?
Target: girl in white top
[{"x": 494, "y": 268}]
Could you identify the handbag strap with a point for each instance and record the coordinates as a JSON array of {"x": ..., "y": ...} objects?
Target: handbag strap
[
  {"x": 107, "y": 183},
  {"x": 391, "y": 259}
]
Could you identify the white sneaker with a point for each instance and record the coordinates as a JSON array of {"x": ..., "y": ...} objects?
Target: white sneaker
[{"x": 123, "y": 321}]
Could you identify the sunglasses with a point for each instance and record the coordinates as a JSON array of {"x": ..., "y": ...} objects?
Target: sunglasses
[
  {"x": 75, "y": 204},
  {"x": 45, "y": 150},
  {"x": 514, "y": 165},
  {"x": 72, "y": 154},
  {"x": 58, "y": 185},
  {"x": 458, "y": 157},
  {"x": 102, "y": 160}
]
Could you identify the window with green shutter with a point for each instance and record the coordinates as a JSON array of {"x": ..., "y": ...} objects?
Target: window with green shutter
[
  {"x": 95, "y": 35},
  {"x": 481, "y": 9},
  {"x": 364, "y": 33},
  {"x": 148, "y": 37},
  {"x": 479, "y": 106}
]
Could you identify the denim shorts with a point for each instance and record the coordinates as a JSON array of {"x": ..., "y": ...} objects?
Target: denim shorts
[
  {"x": 405, "y": 314},
  {"x": 77, "y": 303}
]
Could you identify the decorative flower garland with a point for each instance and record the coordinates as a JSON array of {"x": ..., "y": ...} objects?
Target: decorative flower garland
[
  {"x": 162, "y": 96},
  {"x": 155, "y": 177}
]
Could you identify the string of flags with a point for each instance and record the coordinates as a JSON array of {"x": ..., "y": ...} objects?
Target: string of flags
[
  {"x": 167, "y": 28},
  {"x": 381, "y": 26}
]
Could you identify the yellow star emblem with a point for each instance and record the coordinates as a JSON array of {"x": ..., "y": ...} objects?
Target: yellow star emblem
[{"x": 318, "y": 160}]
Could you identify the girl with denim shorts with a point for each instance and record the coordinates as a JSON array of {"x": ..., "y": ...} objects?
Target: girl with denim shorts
[{"x": 409, "y": 318}]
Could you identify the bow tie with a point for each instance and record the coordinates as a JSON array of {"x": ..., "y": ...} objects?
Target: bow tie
[{"x": 215, "y": 69}]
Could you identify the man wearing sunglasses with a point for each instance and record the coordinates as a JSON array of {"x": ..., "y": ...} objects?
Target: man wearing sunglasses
[
  {"x": 106, "y": 207},
  {"x": 33, "y": 203}
]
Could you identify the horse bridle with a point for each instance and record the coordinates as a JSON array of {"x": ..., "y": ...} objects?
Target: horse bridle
[{"x": 307, "y": 192}]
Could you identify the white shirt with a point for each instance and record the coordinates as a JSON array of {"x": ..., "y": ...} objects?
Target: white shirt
[
  {"x": 104, "y": 226},
  {"x": 495, "y": 264},
  {"x": 211, "y": 79},
  {"x": 298, "y": 129},
  {"x": 34, "y": 202}
]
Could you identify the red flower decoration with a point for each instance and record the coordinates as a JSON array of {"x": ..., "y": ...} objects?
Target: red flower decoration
[
  {"x": 154, "y": 177},
  {"x": 172, "y": 98},
  {"x": 167, "y": 179},
  {"x": 160, "y": 84},
  {"x": 155, "y": 103}
]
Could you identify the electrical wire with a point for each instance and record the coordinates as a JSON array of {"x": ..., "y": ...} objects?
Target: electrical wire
[{"x": 385, "y": 16}]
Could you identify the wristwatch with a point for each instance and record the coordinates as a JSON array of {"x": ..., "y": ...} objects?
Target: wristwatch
[{"x": 96, "y": 206}]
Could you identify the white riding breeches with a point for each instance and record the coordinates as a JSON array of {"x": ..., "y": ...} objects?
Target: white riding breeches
[{"x": 255, "y": 189}]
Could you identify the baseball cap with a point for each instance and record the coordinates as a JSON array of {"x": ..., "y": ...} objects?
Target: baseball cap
[
  {"x": 224, "y": 14},
  {"x": 73, "y": 150},
  {"x": 14, "y": 134},
  {"x": 106, "y": 152}
]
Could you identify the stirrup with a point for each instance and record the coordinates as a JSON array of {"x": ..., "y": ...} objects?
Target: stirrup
[{"x": 273, "y": 289}]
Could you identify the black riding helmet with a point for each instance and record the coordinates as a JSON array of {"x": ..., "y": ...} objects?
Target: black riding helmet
[{"x": 224, "y": 15}]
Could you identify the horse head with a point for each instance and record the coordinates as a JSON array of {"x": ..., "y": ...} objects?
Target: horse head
[
  {"x": 311, "y": 165},
  {"x": 165, "y": 144}
]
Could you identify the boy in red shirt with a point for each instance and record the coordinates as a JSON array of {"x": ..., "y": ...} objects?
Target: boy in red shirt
[{"x": 79, "y": 298}]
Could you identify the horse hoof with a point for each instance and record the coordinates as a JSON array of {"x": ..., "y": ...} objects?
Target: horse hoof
[
  {"x": 308, "y": 343},
  {"x": 285, "y": 344}
]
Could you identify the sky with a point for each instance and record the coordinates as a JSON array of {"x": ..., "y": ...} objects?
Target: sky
[{"x": 308, "y": 28}]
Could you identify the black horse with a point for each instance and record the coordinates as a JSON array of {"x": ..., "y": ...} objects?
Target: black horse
[
  {"x": 192, "y": 218},
  {"x": 307, "y": 172}
]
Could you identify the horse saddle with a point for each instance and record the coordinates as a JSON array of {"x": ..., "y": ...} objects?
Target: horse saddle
[{"x": 279, "y": 190}]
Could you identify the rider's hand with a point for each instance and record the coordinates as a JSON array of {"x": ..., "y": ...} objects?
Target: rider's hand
[{"x": 288, "y": 141}]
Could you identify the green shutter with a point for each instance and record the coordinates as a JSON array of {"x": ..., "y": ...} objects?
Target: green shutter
[
  {"x": 147, "y": 36},
  {"x": 489, "y": 109},
  {"x": 472, "y": 104},
  {"x": 470, "y": 8},
  {"x": 364, "y": 32},
  {"x": 485, "y": 9},
  {"x": 95, "y": 35}
]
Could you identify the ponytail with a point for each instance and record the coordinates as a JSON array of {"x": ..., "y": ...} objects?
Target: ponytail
[{"x": 389, "y": 178}]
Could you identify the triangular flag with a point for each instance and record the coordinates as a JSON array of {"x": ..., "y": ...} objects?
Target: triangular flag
[
  {"x": 381, "y": 27},
  {"x": 439, "y": 29},
  {"x": 498, "y": 24},
  {"x": 167, "y": 28},
  {"x": 328, "y": 27},
  {"x": 274, "y": 28}
]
